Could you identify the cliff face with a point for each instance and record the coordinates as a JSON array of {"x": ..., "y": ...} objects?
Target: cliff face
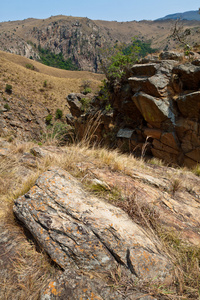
[
  {"x": 155, "y": 109},
  {"x": 81, "y": 38},
  {"x": 77, "y": 40}
]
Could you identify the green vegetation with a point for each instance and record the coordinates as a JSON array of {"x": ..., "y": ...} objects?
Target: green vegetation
[
  {"x": 55, "y": 60},
  {"x": 85, "y": 104},
  {"x": 48, "y": 119},
  {"x": 87, "y": 90},
  {"x": 144, "y": 48},
  {"x": 30, "y": 66},
  {"x": 58, "y": 133},
  {"x": 6, "y": 106},
  {"x": 59, "y": 114},
  {"x": 116, "y": 60},
  {"x": 8, "y": 88}
]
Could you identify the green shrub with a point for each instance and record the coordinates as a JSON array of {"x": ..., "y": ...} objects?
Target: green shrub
[
  {"x": 48, "y": 119},
  {"x": 59, "y": 113},
  {"x": 108, "y": 107},
  {"x": 87, "y": 90},
  {"x": 6, "y": 106},
  {"x": 59, "y": 133},
  {"x": 45, "y": 83},
  {"x": 30, "y": 66},
  {"x": 85, "y": 104},
  {"x": 8, "y": 88}
]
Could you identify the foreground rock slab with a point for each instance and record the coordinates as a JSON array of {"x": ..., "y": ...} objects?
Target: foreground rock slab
[{"x": 81, "y": 232}]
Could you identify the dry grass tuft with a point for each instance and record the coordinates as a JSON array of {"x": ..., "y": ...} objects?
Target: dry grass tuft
[
  {"x": 27, "y": 272},
  {"x": 186, "y": 259}
]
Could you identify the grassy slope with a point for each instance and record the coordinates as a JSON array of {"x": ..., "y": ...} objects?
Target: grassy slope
[{"x": 29, "y": 83}]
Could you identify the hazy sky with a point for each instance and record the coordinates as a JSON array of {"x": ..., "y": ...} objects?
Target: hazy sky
[{"x": 119, "y": 10}]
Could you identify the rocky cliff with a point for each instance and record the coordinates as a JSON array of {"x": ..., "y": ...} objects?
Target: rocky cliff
[{"x": 155, "y": 109}]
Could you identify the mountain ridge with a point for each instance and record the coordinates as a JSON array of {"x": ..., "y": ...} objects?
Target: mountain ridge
[
  {"x": 82, "y": 39},
  {"x": 187, "y": 15}
]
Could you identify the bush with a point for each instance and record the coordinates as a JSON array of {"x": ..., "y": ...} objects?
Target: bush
[
  {"x": 45, "y": 83},
  {"x": 58, "y": 133},
  {"x": 8, "y": 89},
  {"x": 48, "y": 119},
  {"x": 30, "y": 66},
  {"x": 59, "y": 113},
  {"x": 116, "y": 60},
  {"x": 6, "y": 106},
  {"x": 85, "y": 84},
  {"x": 85, "y": 104},
  {"x": 87, "y": 90}
]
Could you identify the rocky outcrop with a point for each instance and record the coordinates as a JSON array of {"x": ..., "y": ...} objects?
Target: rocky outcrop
[
  {"x": 156, "y": 108},
  {"x": 86, "y": 234}
]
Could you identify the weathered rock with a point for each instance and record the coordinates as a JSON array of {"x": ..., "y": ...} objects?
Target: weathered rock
[
  {"x": 166, "y": 156},
  {"x": 170, "y": 139},
  {"x": 73, "y": 285},
  {"x": 125, "y": 133},
  {"x": 75, "y": 104},
  {"x": 144, "y": 69},
  {"x": 189, "y": 76},
  {"x": 154, "y": 133},
  {"x": 189, "y": 105},
  {"x": 160, "y": 146},
  {"x": 166, "y": 55},
  {"x": 155, "y": 111},
  {"x": 82, "y": 232}
]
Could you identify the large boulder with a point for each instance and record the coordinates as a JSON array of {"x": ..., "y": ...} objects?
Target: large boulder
[
  {"x": 155, "y": 111},
  {"x": 74, "y": 104},
  {"x": 189, "y": 105},
  {"x": 84, "y": 233},
  {"x": 189, "y": 75}
]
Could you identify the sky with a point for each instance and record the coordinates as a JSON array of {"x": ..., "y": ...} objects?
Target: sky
[{"x": 110, "y": 10}]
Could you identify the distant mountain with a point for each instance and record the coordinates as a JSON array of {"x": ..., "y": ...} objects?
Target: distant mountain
[
  {"x": 188, "y": 15},
  {"x": 78, "y": 42}
]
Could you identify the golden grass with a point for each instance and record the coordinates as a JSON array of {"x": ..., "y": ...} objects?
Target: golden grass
[{"x": 30, "y": 84}]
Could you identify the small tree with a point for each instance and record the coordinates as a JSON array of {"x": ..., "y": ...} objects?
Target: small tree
[
  {"x": 179, "y": 34},
  {"x": 8, "y": 89},
  {"x": 59, "y": 114},
  {"x": 115, "y": 60}
]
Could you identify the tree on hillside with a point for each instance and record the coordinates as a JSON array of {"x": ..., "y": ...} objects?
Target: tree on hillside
[
  {"x": 115, "y": 60},
  {"x": 179, "y": 34}
]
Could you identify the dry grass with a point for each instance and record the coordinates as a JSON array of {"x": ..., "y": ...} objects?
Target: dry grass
[
  {"x": 29, "y": 271},
  {"x": 186, "y": 259},
  {"x": 30, "y": 84},
  {"x": 26, "y": 272}
]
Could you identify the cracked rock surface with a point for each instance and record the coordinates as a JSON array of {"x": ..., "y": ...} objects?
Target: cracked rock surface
[{"x": 82, "y": 232}]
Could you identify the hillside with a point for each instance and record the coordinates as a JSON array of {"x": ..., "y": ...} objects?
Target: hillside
[
  {"x": 188, "y": 15},
  {"x": 37, "y": 91},
  {"x": 82, "y": 39}
]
